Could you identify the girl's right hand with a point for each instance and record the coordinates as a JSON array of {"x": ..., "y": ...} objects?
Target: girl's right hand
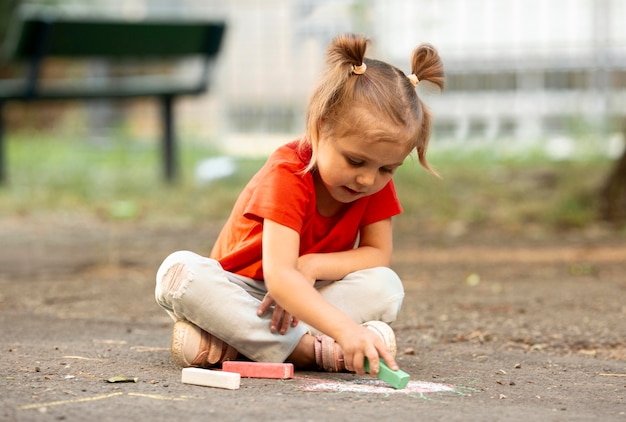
[{"x": 361, "y": 343}]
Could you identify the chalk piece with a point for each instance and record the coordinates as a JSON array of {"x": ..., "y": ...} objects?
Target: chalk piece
[
  {"x": 259, "y": 369},
  {"x": 210, "y": 378},
  {"x": 397, "y": 379}
]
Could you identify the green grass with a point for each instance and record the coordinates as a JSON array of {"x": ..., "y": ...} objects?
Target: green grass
[
  {"x": 503, "y": 195},
  {"x": 122, "y": 180}
]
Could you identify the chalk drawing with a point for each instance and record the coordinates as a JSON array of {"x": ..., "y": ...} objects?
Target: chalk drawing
[
  {"x": 105, "y": 396},
  {"x": 159, "y": 397},
  {"x": 363, "y": 386},
  {"x": 375, "y": 386},
  {"x": 62, "y": 402}
]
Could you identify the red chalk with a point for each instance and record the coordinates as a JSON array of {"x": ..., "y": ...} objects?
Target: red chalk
[{"x": 259, "y": 369}]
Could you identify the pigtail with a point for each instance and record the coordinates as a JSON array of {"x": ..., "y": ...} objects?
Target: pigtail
[
  {"x": 345, "y": 53},
  {"x": 422, "y": 146},
  {"x": 426, "y": 65}
]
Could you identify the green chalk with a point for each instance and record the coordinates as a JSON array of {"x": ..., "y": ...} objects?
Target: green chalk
[{"x": 397, "y": 379}]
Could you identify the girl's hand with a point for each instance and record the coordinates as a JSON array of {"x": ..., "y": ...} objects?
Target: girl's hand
[
  {"x": 362, "y": 343},
  {"x": 281, "y": 319}
]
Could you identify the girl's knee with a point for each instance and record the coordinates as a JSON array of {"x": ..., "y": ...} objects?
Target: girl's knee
[
  {"x": 387, "y": 281},
  {"x": 393, "y": 291},
  {"x": 174, "y": 258},
  {"x": 174, "y": 274},
  {"x": 174, "y": 279},
  {"x": 381, "y": 289}
]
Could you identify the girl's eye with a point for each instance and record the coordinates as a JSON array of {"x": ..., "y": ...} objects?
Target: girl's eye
[
  {"x": 386, "y": 170},
  {"x": 352, "y": 162}
]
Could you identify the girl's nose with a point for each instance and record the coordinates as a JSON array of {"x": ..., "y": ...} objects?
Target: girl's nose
[{"x": 366, "y": 178}]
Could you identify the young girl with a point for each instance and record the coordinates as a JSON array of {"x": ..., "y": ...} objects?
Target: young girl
[{"x": 300, "y": 272}]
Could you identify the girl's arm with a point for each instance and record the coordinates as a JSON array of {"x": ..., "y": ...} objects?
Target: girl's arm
[
  {"x": 374, "y": 250},
  {"x": 288, "y": 286}
]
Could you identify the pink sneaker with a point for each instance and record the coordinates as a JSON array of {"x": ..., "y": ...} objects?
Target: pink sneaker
[
  {"x": 329, "y": 356},
  {"x": 192, "y": 346}
]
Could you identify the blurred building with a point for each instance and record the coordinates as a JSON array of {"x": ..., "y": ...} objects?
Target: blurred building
[
  {"x": 522, "y": 69},
  {"x": 519, "y": 69}
]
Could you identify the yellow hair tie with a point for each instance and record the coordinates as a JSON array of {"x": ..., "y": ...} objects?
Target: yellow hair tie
[
  {"x": 414, "y": 80},
  {"x": 359, "y": 70}
]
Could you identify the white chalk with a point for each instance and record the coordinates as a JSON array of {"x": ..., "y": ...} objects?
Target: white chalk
[{"x": 210, "y": 378}]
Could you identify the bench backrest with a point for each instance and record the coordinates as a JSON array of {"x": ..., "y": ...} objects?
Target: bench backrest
[
  {"x": 66, "y": 37},
  {"x": 34, "y": 37}
]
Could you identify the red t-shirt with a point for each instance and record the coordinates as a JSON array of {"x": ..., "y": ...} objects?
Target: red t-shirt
[{"x": 282, "y": 193}]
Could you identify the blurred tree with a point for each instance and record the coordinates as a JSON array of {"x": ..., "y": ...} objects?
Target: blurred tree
[
  {"x": 613, "y": 194},
  {"x": 6, "y": 11}
]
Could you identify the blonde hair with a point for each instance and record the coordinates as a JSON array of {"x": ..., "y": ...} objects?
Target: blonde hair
[{"x": 384, "y": 98}]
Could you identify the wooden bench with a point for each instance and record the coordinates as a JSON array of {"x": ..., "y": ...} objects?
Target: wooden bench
[{"x": 33, "y": 38}]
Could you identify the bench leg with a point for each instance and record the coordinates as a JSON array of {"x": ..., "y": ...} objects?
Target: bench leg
[
  {"x": 2, "y": 147},
  {"x": 169, "y": 144}
]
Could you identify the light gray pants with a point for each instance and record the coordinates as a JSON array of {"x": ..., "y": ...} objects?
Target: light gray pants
[{"x": 197, "y": 289}]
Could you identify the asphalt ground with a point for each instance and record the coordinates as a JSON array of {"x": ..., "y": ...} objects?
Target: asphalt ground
[{"x": 491, "y": 330}]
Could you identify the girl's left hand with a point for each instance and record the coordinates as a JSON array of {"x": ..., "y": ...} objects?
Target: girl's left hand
[{"x": 281, "y": 319}]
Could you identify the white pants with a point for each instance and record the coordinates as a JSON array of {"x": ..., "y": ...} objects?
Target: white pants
[{"x": 197, "y": 289}]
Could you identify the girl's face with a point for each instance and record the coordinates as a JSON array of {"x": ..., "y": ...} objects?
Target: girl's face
[{"x": 351, "y": 167}]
